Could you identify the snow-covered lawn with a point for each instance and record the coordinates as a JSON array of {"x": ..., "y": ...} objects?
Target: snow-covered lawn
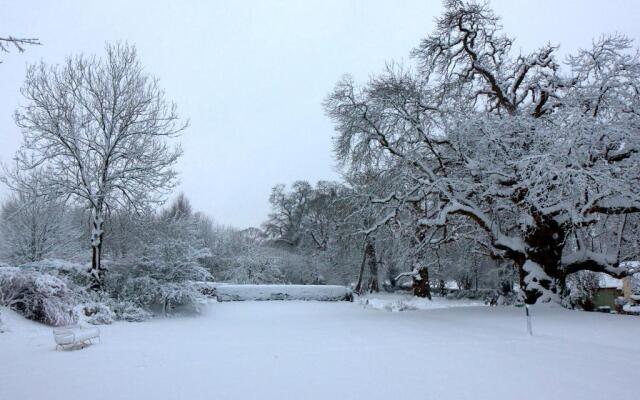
[
  {"x": 396, "y": 303},
  {"x": 336, "y": 350}
]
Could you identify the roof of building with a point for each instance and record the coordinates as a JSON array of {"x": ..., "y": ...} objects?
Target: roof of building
[{"x": 609, "y": 282}]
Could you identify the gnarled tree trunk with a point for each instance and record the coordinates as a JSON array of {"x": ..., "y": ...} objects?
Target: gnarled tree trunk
[
  {"x": 541, "y": 274},
  {"x": 421, "y": 286}
]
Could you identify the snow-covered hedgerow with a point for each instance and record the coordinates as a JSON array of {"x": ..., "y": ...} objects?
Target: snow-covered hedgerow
[
  {"x": 226, "y": 292},
  {"x": 37, "y": 296}
]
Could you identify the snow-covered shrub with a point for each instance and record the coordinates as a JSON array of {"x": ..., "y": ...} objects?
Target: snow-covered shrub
[
  {"x": 154, "y": 284},
  {"x": 620, "y": 302},
  {"x": 208, "y": 289},
  {"x": 631, "y": 309},
  {"x": 127, "y": 311},
  {"x": 74, "y": 274},
  {"x": 582, "y": 287},
  {"x": 634, "y": 280},
  {"x": 37, "y": 296},
  {"x": 396, "y": 305},
  {"x": 508, "y": 299},
  {"x": 98, "y": 314},
  {"x": 164, "y": 264}
]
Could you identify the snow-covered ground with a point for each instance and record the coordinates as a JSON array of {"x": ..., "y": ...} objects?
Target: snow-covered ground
[
  {"x": 336, "y": 350},
  {"x": 396, "y": 302}
]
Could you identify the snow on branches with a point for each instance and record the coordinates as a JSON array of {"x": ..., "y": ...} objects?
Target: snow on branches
[
  {"x": 38, "y": 296},
  {"x": 98, "y": 129},
  {"x": 534, "y": 152}
]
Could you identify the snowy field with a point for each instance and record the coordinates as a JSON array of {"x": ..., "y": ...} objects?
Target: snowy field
[{"x": 336, "y": 350}]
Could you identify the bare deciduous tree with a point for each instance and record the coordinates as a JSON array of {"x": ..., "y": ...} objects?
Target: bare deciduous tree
[
  {"x": 35, "y": 227},
  {"x": 99, "y": 129}
]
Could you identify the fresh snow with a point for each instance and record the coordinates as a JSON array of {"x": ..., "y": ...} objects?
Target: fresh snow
[
  {"x": 633, "y": 309},
  {"x": 331, "y": 350},
  {"x": 396, "y": 303},
  {"x": 608, "y": 281}
]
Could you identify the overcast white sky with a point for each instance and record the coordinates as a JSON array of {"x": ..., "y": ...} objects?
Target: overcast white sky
[{"x": 251, "y": 75}]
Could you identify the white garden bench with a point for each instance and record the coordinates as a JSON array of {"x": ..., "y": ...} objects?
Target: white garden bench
[{"x": 71, "y": 336}]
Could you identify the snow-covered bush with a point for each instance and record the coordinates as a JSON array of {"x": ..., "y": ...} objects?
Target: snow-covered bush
[
  {"x": 74, "y": 274},
  {"x": 98, "y": 314},
  {"x": 161, "y": 267},
  {"x": 157, "y": 284},
  {"x": 583, "y": 286},
  {"x": 37, "y": 296},
  {"x": 395, "y": 305},
  {"x": 508, "y": 299},
  {"x": 634, "y": 280},
  {"x": 127, "y": 311}
]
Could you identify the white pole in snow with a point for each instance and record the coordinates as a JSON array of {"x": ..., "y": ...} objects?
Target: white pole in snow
[{"x": 529, "y": 329}]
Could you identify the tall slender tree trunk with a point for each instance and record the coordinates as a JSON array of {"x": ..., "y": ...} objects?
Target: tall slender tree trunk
[
  {"x": 421, "y": 285},
  {"x": 358, "y": 288},
  {"x": 370, "y": 252},
  {"x": 97, "y": 270}
]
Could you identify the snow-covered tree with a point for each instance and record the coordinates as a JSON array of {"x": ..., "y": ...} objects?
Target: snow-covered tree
[
  {"x": 534, "y": 152},
  {"x": 168, "y": 264},
  {"x": 321, "y": 228},
  {"x": 256, "y": 265},
  {"x": 98, "y": 128},
  {"x": 34, "y": 226},
  {"x": 286, "y": 222}
]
